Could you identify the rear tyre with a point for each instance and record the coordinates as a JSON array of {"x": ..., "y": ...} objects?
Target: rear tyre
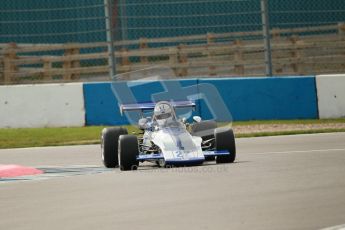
[
  {"x": 205, "y": 130},
  {"x": 109, "y": 145},
  {"x": 128, "y": 152},
  {"x": 225, "y": 140}
]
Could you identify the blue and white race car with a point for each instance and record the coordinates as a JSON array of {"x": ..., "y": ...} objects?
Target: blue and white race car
[{"x": 167, "y": 140}]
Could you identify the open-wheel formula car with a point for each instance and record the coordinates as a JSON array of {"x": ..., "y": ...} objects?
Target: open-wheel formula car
[{"x": 167, "y": 140}]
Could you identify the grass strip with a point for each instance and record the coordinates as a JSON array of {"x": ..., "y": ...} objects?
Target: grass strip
[{"x": 39, "y": 137}]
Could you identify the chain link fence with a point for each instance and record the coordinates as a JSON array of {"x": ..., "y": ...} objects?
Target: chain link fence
[
  {"x": 65, "y": 40},
  {"x": 314, "y": 30},
  {"x": 51, "y": 21},
  {"x": 169, "y": 18},
  {"x": 152, "y": 19},
  {"x": 50, "y": 29}
]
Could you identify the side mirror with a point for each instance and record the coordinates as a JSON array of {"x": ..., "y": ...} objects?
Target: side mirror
[
  {"x": 197, "y": 119},
  {"x": 143, "y": 124}
]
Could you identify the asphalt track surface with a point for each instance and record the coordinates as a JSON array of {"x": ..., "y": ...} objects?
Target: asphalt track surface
[{"x": 286, "y": 182}]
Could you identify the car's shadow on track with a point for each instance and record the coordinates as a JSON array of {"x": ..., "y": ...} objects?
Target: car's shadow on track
[{"x": 210, "y": 164}]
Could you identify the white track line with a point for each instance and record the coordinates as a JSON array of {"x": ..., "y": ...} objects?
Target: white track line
[
  {"x": 299, "y": 151},
  {"x": 296, "y": 135},
  {"x": 338, "y": 227}
]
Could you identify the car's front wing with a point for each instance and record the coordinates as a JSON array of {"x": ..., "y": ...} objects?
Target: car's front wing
[
  {"x": 159, "y": 156},
  {"x": 216, "y": 153}
]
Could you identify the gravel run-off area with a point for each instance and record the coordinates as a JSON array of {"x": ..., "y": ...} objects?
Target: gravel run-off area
[{"x": 246, "y": 129}]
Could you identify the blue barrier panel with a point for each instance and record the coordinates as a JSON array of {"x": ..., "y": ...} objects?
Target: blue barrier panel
[
  {"x": 246, "y": 98},
  {"x": 101, "y": 105},
  {"x": 266, "y": 98}
]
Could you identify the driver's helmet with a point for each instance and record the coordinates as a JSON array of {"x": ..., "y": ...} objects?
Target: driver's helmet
[{"x": 164, "y": 113}]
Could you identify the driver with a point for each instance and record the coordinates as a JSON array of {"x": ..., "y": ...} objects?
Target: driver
[{"x": 164, "y": 114}]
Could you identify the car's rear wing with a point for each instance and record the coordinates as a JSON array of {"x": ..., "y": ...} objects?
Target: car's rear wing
[{"x": 151, "y": 106}]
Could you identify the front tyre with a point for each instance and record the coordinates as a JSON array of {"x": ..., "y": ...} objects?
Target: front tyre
[
  {"x": 128, "y": 152},
  {"x": 109, "y": 145},
  {"x": 225, "y": 140}
]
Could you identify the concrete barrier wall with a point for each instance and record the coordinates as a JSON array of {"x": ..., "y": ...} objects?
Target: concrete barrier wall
[
  {"x": 59, "y": 105},
  {"x": 47, "y": 105},
  {"x": 247, "y": 98},
  {"x": 331, "y": 95}
]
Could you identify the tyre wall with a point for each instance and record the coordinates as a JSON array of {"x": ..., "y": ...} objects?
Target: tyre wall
[{"x": 331, "y": 95}]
